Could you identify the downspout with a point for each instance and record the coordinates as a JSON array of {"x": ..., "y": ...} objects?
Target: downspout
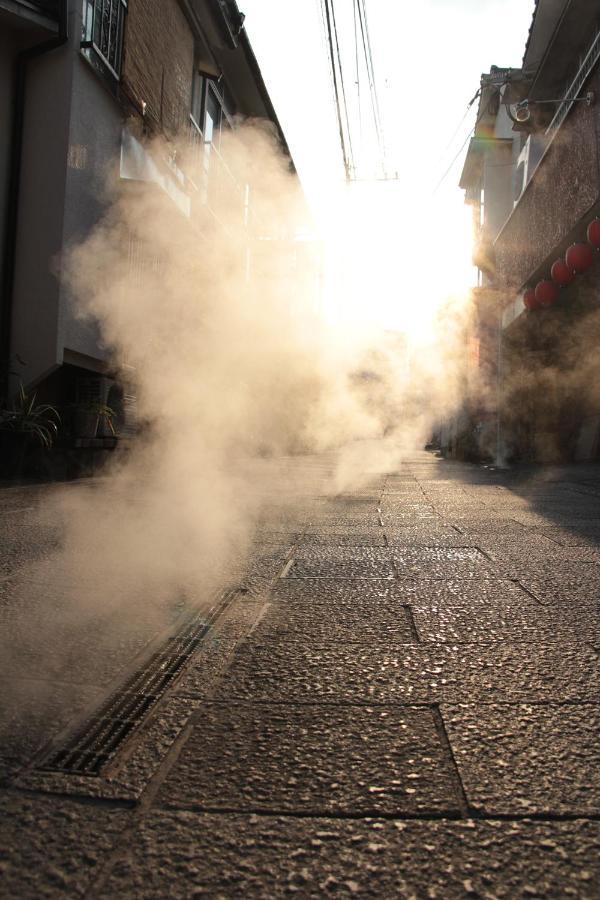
[{"x": 14, "y": 184}]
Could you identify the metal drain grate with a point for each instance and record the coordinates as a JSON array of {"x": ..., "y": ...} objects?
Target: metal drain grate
[{"x": 96, "y": 742}]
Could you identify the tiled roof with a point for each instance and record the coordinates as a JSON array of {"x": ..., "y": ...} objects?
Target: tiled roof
[{"x": 535, "y": 12}]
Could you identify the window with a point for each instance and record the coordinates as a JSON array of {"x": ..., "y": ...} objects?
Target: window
[
  {"x": 212, "y": 124},
  {"x": 103, "y": 25},
  {"x": 197, "y": 97}
]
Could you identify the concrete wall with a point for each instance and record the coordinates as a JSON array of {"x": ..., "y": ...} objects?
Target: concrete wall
[
  {"x": 7, "y": 58},
  {"x": 16, "y": 34},
  {"x": 41, "y": 209},
  {"x": 563, "y": 189},
  {"x": 497, "y": 187},
  {"x": 71, "y": 144},
  {"x": 94, "y": 144}
]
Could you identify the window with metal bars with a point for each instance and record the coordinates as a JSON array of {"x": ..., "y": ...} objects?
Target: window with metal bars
[{"x": 103, "y": 26}]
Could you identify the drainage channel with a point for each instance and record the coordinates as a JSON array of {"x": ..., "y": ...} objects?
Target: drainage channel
[{"x": 92, "y": 746}]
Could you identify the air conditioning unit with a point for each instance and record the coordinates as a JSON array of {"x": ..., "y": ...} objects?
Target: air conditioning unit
[
  {"x": 527, "y": 163},
  {"x": 96, "y": 394}
]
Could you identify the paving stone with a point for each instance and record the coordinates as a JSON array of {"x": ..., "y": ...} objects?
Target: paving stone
[
  {"x": 527, "y": 759},
  {"x": 181, "y": 854},
  {"x": 461, "y": 592},
  {"x": 54, "y": 641},
  {"x": 397, "y": 520},
  {"x": 341, "y": 562},
  {"x": 546, "y": 552},
  {"x": 51, "y": 847},
  {"x": 344, "y": 537},
  {"x": 358, "y": 496},
  {"x": 539, "y": 568},
  {"x": 405, "y": 506},
  {"x": 331, "y": 610},
  {"x": 582, "y": 587},
  {"x": 333, "y": 593},
  {"x": 260, "y": 562},
  {"x": 574, "y": 537},
  {"x": 516, "y": 619},
  {"x": 327, "y": 657},
  {"x": 507, "y": 540},
  {"x": 552, "y": 521},
  {"x": 266, "y": 536},
  {"x": 442, "y": 536},
  {"x": 487, "y": 524},
  {"x": 32, "y": 712},
  {"x": 369, "y": 520},
  {"x": 441, "y": 562},
  {"x": 313, "y": 759},
  {"x": 351, "y": 673}
]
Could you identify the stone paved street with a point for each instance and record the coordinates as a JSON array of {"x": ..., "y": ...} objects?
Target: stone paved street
[{"x": 400, "y": 700}]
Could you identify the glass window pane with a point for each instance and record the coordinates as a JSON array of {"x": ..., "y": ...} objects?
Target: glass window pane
[
  {"x": 213, "y": 119},
  {"x": 197, "y": 89}
]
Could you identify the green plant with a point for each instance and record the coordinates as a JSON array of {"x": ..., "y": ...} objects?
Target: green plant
[
  {"x": 37, "y": 420},
  {"x": 101, "y": 411}
]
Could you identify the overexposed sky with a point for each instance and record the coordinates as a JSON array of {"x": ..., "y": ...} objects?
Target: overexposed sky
[{"x": 428, "y": 57}]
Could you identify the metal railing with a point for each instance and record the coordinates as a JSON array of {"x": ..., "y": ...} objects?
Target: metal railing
[
  {"x": 218, "y": 188},
  {"x": 103, "y": 29},
  {"x": 590, "y": 60}
]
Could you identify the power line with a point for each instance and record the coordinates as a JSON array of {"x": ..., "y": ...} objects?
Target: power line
[
  {"x": 335, "y": 86},
  {"x": 449, "y": 169},
  {"x": 360, "y": 124},
  {"x": 460, "y": 124},
  {"x": 341, "y": 71},
  {"x": 483, "y": 112},
  {"x": 362, "y": 16},
  {"x": 374, "y": 80},
  {"x": 347, "y": 128}
]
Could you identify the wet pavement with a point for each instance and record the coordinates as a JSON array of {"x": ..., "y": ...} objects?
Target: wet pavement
[{"x": 400, "y": 699}]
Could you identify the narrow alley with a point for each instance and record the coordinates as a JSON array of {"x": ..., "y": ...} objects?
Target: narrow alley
[{"x": 396, "y": 697}]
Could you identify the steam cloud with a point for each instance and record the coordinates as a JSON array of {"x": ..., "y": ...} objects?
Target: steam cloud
[{"x": 234, "y": 367}]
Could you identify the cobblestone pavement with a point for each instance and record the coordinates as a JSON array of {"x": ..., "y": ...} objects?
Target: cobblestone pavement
[{"x": 399, "y": 699}]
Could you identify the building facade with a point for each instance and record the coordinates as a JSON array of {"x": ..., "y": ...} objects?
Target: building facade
[
  {"x": 85, "y": 87},
  {"x": 532, "y": 176}
]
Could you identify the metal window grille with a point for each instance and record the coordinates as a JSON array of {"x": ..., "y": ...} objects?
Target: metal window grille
[{"x": 103, "y": 25}]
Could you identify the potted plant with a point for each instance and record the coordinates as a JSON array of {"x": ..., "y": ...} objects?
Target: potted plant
[
  {"x": 92, "y": 417},
  {"x": 25, "y": 424}
]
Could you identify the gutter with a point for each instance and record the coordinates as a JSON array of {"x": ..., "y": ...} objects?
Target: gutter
[{"x": 14, "y": 184}]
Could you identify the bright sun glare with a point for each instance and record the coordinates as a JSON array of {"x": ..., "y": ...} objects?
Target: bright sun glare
[{"x": 394, "y": 263}]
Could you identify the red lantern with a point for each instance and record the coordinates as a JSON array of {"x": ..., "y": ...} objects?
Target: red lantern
[
  {"x": 529, "y": 299},
  {"x": 546, "y": 293},
  {"x": 580, "y": 257},
  {"x": 561, "y": 273},
  {"x": 593, "y": 233}
]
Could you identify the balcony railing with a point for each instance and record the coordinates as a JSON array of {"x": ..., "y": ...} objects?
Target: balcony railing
[
  {"x": 218, "y": 189},
  {"x": 586, "y": 68}
]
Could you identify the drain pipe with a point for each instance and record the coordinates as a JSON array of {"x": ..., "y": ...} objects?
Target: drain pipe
[{"x": 14, "y": 183}]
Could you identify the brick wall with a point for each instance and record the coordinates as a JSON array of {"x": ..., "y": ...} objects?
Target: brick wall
[
  {"x": 158, "y": 61},
  {"x": 564, "y": 187}
]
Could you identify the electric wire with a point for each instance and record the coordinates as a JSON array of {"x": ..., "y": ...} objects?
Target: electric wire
[
  {"x": 460, "y": 124},
  {"x": 370, "y": 71},
  {"x": 346, "y": 127},
  {"x": 462, "y": 147},
  {"x": 335, "y": 86},
  {"x": 343, "y": 87},
  {"x": 357, "y": 63},
  {"x": 374, "y": 80}
]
